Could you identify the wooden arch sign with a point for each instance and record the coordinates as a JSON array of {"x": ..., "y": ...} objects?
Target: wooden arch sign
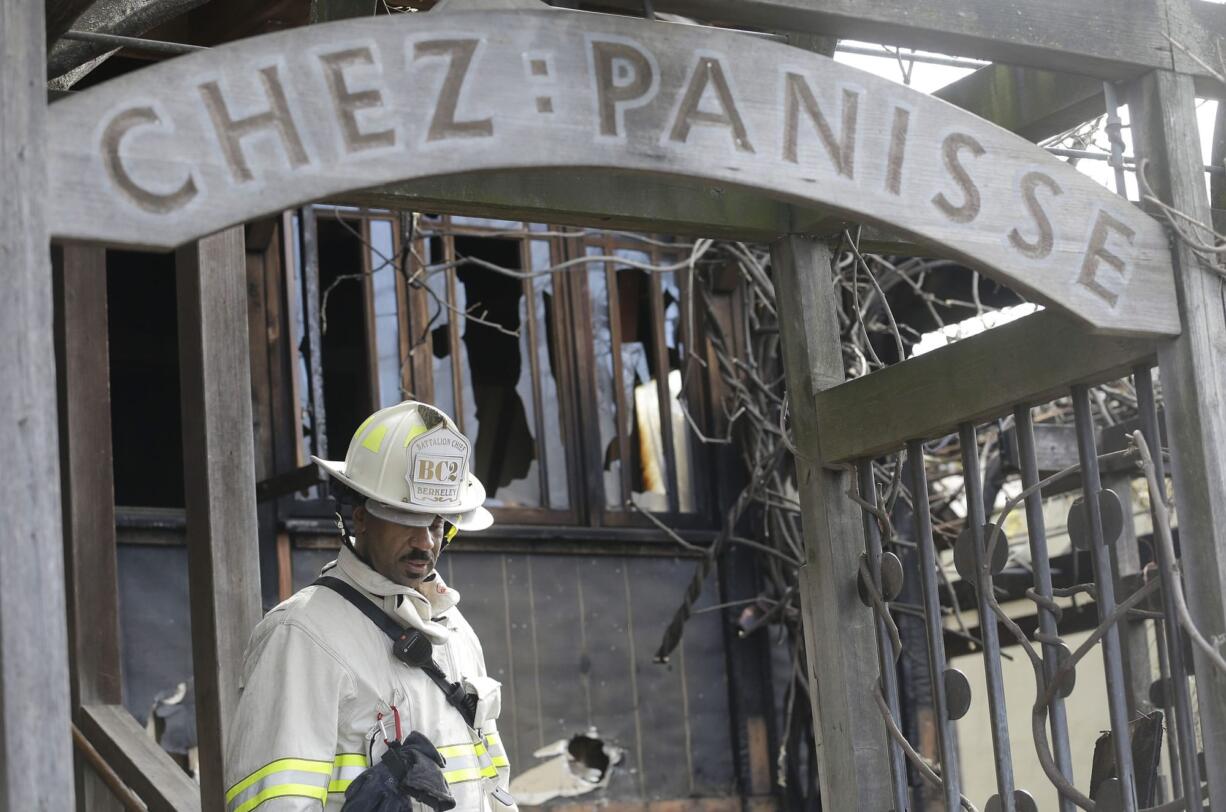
[{"x": 188, "y": 147}]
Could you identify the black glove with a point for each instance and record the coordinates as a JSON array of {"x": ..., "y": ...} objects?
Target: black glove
[{"x": 411, "y": 769}]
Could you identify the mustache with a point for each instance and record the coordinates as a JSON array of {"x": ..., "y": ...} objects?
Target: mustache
[{"x": 418, "y": 555}]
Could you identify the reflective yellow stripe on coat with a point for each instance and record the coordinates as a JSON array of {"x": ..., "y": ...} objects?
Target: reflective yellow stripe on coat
[
  {"x": 497, "y": 754},
  {"x": 295, "y": 777},
  {"x": 345, "y": 769},
  {"x": 467, "y": 762}
]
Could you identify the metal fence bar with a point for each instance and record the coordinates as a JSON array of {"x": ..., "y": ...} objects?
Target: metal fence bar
[
  {"x": 1117, "y": 699},
  {"x": 930, "y": 589},
  {"x": 1177, "y": 688},
  {"x": 887, "y": 656},
  {"x": 1173, "y": 736},
  {"x": 987, "y": 619},
  {"x": 1037, "y": 532}
]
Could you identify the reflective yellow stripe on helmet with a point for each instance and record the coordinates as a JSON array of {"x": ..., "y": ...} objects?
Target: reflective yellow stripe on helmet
[
  {"x": 374, "y": 440},
  {"x": 413, "y": 432}
]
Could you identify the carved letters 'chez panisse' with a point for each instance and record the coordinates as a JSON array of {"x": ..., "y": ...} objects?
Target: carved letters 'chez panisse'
[{"x": 188, "y": 147}]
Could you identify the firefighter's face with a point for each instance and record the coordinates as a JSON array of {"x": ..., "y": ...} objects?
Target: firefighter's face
[{"x": 404, "y": 555}]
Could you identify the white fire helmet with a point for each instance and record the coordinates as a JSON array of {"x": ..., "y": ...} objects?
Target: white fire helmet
[{"x": 411, "y": 463}]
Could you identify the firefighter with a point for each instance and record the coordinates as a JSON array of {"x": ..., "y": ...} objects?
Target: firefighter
[{"x": 335, "y": 698}]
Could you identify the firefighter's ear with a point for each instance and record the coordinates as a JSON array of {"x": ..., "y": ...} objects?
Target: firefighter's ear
[{"x": 359, "y": 520}]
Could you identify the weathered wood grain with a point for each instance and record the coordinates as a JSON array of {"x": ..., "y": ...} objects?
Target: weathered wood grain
[
  {"x": 261, "y": 241},
  {"x": 1035, "y": 104},
  {"x": 200, "y": 142},
  {"x": 1194, "y": 389},
  {"x": 1031, "y": 360},
  {"x": 146, "y": 768},
  {"x": 1109, "y": 39},
  {"x": 35, "y": 743},
  {"x": 580, "y": 197},
  {"x": 839, "y": 630},
  {"x": 90, "y": 568},
  {"x": 219, "y": 484}
]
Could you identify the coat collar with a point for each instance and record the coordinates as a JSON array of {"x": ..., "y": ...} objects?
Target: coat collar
[{"x": 419, "y": 607}]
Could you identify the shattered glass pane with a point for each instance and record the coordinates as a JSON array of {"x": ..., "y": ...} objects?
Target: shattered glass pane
[
  {"x": 642, "y": 424},
  {"x": 387, "y": 317},
  {"x": 301, "y": 368},
  {"x": 674, "y": 332},
  {"x": 602, "y": 348},
  {"x": 550, "y": 443},
  {"x": 439, "y": 327},
  {"x": 486, "y": 222}
]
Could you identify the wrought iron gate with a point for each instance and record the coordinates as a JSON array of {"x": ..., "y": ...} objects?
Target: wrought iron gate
[{"x": 981, "y": 550}]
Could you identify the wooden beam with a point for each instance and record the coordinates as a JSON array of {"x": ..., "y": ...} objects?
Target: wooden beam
[
  {"x": 35, "y": 742},
  {"x": 629, "y": 203},
  {"x": 326, "y": 11},
  {"x": 1031, "y": 360},
  {"x": 138, "y": 760},
  {"x": 1035, "y": 104},
  {"x": 578, "y": 198},
  {"x": 88, "y": 484},
  {"x": 91, "y": 570},
  {"x": 839, "y": 630},
  {"x": 1083, "y": 250},
  {"x": 219, "y": 480},
  {"x": 1055, "y": 446},
  {"x": 1109, "y": 39},
  {"x": 1163, "y": 109}
]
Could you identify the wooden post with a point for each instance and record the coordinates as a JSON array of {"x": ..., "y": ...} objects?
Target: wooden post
[
  {"x": 219, "y": 480},
  {"x": 91, "y": 571},
  {"x": 35, "y": 739},
  {"x": 1162, "y": 106},
  {"x": 843, "y": 670},
  {"x": 261, "y": 245}
]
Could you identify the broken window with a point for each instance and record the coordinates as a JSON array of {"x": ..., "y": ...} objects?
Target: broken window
[
  {"x": 471, "y": 315},
  {"x": 490, "y": 323},
  {"x": 347, "y": 304},
  {"x": 639, "y": 341}
]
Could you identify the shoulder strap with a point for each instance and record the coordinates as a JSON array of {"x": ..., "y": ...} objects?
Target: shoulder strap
[
  {"x": 363, "y": 604},
  {"x": 410, "y": 646}
]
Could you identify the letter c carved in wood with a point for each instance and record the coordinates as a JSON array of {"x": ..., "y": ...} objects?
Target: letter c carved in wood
[{"x": 112, "y": 140}]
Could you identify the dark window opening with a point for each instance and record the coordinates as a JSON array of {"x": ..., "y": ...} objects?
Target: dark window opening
[
  {"x": 495, "y": 413},
  {"x": 146, "y": 424},
  {"x": 345, "y": 342}
]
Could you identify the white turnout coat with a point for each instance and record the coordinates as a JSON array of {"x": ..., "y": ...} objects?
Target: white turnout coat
[{"x": 321, "y": 693}]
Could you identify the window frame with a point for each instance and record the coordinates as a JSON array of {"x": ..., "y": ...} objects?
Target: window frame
[{"x": 575, "y": 373}]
